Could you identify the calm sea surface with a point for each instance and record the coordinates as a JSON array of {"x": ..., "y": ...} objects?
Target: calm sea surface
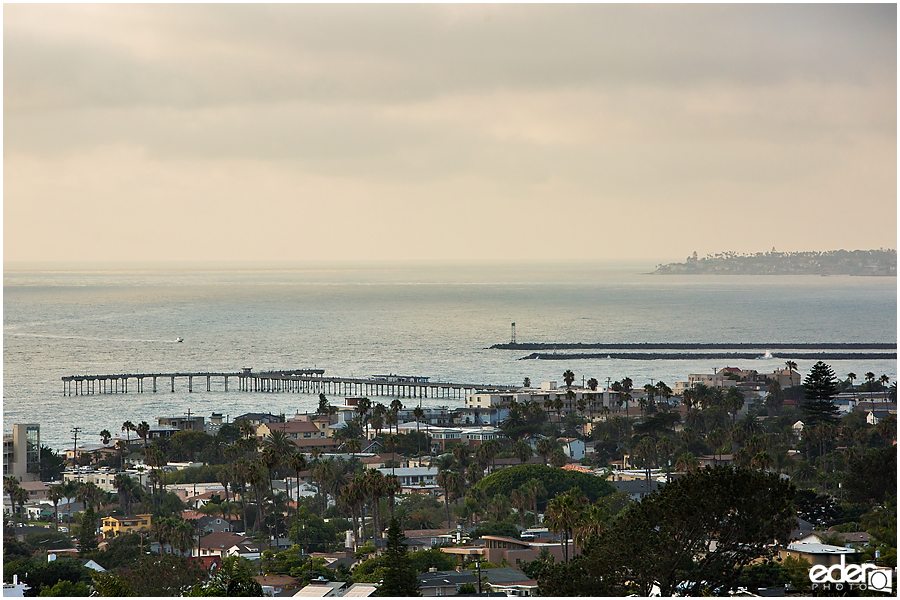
[{"x": 434, "y": 322}]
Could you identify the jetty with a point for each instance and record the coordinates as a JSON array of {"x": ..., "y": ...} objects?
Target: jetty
[{"x": 302, "y": 381}]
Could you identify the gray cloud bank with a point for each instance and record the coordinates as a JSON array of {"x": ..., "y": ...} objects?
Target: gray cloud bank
[{"x": 718, "y": 127}]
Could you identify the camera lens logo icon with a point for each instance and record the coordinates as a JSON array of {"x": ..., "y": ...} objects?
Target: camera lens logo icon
[{"x": 879, "y": 581}]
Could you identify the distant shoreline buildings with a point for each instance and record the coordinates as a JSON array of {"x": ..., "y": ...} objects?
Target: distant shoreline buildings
[{"x": 881, "y": 262}]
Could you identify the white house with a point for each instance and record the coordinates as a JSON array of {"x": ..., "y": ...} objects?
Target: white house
[{"x": 573, "y": 447}]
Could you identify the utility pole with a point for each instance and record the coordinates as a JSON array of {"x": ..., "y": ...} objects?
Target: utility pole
[
  {"x": 478, "y": 563},
  {"x": 190, "y": 422},
  {"x": 75, "y": 431}
]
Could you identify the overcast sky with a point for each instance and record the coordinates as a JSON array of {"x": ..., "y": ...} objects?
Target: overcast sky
[{"x": 446, "y": 133}]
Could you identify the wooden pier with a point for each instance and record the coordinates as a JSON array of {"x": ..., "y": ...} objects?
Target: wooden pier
[{"x": 302, "y": 381}]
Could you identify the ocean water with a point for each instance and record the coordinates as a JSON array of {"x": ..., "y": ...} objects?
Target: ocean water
[{"x": 413, "y": 320}]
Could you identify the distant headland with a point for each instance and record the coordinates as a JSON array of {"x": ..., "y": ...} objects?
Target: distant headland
[{"x": 882, "y": 262}]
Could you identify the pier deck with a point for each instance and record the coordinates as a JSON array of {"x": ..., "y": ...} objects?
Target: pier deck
[{"x": 304, "y": 381}]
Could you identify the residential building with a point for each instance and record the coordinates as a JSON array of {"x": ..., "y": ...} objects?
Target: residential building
[
  {"x": 209, "y": 524},
  {"x": 636, "y": 488},
  {"x": 360, "y": 590},
  {"x": 425, "y": 539},
  {"x": 572, "y": 447},
  {"x": 594, "y": 400},
  {"x": 277, "y": 583},
  {"x": 873, "y": 417},
  {"x": 818, "y": 554},
  {"x": 321, "y": 588},
  {"x": 217, "y": 544},
  {"x": 511, "y": 582},
  {"x": 444, "y": 583},
  {"x": 480, "y": 416},
  {"x": 185, "y": 423},
  {"x": 186, "y": 492},
  {"x": 104, "y": 477},
  {"x": 473, "y": 437},
  {"x": 99, "y": 450},
  {"x": 414, "y": 477},
  {"x": 257, "y": 419},
  {"x": 22, "y": 452},
  {"x": 113, "y": 526},
  {"x": 294, "y": 430},
  {"x": 496, "y": 549}
]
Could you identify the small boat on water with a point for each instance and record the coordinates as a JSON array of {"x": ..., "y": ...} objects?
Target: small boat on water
[
  {"x": 179, "y": 339},
  {"x": 765, "y": 356}
]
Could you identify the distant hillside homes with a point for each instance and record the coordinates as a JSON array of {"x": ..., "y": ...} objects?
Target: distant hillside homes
[{"x": 881, "y": 262}]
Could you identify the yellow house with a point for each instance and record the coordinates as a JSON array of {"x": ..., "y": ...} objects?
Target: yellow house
[{"x": 113, "y": 526}]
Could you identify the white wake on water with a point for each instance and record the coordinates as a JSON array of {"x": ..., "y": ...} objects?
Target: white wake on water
[{"x": 93, "y": 339}]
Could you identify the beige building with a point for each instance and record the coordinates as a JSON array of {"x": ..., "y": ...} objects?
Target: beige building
[
  {"x": 22, "y": 452},
  {"x": 496, "y": 549},
  {"x": 818, "y": 554},
  {"x": 295, "y": 430}
]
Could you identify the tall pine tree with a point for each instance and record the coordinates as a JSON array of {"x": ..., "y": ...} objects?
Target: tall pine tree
[
  {"x": 87, "y": 535},
  {"x": 819, "y": 387},
  {"x": 400, "y": 576}
]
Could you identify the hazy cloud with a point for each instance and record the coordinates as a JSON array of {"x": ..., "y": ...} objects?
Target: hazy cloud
[{"x": 716, "y": 126}]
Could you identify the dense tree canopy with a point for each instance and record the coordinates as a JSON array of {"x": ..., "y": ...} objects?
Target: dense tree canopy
[
  {"x": 694, "y": 537},
  {"x": 556, "y": 481}
]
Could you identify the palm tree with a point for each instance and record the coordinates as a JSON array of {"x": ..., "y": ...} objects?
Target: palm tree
[
  {"x": 122, "y": 448},
  {"x": 761, "y": 461},
  {"x": 11, "y": 487},
  {"x": 105, "y": 436},
  {"x": 563, "y": 514},
  {"x": 297, "y": 463},
  {"x": 363, "y": 407},
  {"x": 143, "y": 430},
  {"x": 461, "y": 456},
  {"x": 544, "y": 448},
  {"x": 568, "y": 377},
  {"x": 716, "y": 438},
  {"x": 666, "y": 446},
  {"x": 351, "y": 496},
  {"x": 883, "y": 380},
  {"x": 870, "y": 382},
  {"x": 791, "y": 366},
  {"x": 375, "y": 489},
  {"x": 447, "y": 480},
  {"x": 54, "y": 494},
  {"x": 241, "y": 471},
  {"x": 396, "y": 407},
  {"x": 279, "y": 442},
  {"x": 378, "y": 414},
  {"x": 646, "y": 449},
  {"x": 664, "y": 391},
  {"x": 225, "y": 476},
  {"x": 128, "y": 427},
  {"x": 851, "y": 377},
  {"x": 520, "y": 501},
  {"x": 354, "y": 496},
  {"x": 392, "y": 487},
  {"x": 352, "y": 446},
  {"x": 534, "y": 489},
  {"x": 526, "y": 383},
  {"x": 687, "y": 463},
  {"x": 418, "y": 413},
  {"x": 124, "y": 485},
  {"x": 522, "y": 451},
  {"x": 591, "y": 524}
]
